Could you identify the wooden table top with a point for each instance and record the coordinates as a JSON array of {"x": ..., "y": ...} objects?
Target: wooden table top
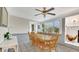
[{"x": 46, "y": 37}]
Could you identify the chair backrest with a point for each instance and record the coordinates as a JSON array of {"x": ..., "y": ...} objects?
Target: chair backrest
[
  {"x": 31, "y": 35},
  {"x": 53, "y": 41}
]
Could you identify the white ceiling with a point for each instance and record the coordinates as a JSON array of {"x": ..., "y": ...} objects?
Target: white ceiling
[{"x": 29, "y": 12}]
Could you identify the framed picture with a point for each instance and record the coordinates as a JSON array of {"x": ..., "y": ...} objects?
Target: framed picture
[{"x": 4, "y": 17}]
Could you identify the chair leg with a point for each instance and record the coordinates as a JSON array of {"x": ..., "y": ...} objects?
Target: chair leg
[
  {"x": 55, "y": 48},
  {"x": 50, "y": 50}
]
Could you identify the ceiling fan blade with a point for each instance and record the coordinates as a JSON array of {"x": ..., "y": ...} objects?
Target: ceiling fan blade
[
  {"x": 38, "y": 10},
  {"x": 50, "y": 9},
  {"x": 52, "y": 14},
  {"x": 38, "y": 14}
]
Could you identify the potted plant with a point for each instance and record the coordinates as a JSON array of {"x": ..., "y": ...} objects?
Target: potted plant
[
  {"x": 7, "y": 35},
  {"x": 56, "y": 30}
]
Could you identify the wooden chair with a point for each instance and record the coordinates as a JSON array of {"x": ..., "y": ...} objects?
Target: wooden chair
[
  {"x": 53, "y": 42},
  {"x": 40, "y": 43},
  {"x": 31, "y": 37}
]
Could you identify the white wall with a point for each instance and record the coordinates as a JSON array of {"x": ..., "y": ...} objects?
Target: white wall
[
  {"x": 18, "y": 25},
  {"x": 3, "y": 30},
  {"x": 72, "y": 20}
]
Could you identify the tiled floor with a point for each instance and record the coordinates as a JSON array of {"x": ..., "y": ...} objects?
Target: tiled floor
[
  {"x": 25, "y": 45},
  {"x": 30, "y": 48},
  {"x": 63, "y": 48}
]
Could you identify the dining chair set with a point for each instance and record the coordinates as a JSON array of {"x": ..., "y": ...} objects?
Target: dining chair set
[{"x": 43, "y": 44}]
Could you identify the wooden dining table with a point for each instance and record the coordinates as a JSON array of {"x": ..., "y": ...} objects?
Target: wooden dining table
[
  {"x": 46, "y": 37},
  {"x": 44, "y": 41}
]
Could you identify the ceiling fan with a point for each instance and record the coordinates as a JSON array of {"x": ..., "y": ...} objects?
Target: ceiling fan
[{"x": 45, "y": 11}]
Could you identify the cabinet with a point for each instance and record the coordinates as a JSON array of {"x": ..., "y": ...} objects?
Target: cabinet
[
  {"x": 3, "y": 17},
  {"x": 8, "y": 44}
]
